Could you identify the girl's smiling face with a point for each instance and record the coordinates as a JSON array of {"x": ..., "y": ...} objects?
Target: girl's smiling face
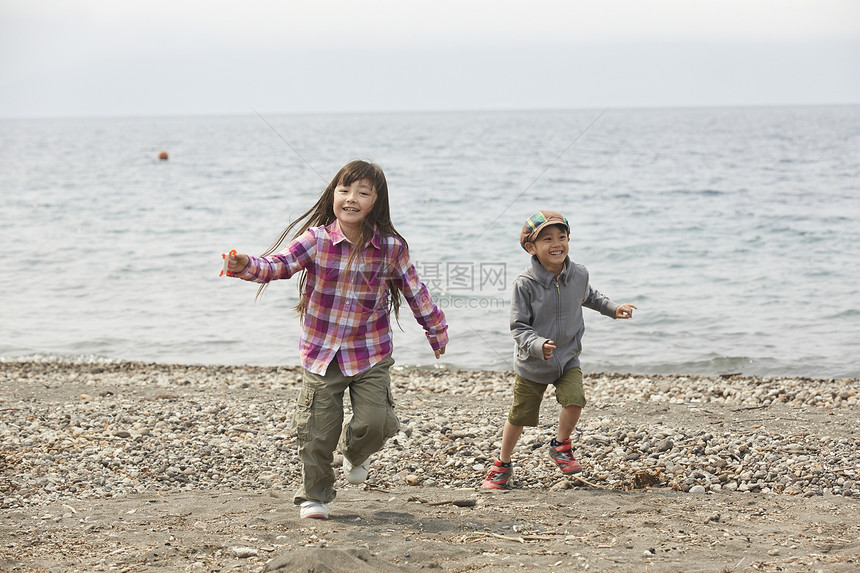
[{"x": 352, "y": 204}]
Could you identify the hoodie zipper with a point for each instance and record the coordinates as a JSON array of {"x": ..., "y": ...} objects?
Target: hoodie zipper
[{"x": 557, "y": 323}]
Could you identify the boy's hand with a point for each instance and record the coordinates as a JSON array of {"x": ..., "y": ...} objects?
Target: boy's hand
[
  {"x": 548, "y": 347},
  {"x": 236, "y": 262},
  {"x": 439, "y": 352},
  {"x": 624, "y": 311}
]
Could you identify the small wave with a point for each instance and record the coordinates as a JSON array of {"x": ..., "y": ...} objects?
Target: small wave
[
  {"x": 714, "y": 366},
  {"x": 566, "y": 181},
  {"x": 702, "y": 192},
  {"x": 59, "y": 359},
  {"x": 843, "y": 314}
]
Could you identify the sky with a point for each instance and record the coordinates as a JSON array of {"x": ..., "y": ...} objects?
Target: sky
[{"x": 175, "y": 57}]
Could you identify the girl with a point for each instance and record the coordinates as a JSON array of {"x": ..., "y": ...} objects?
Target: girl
[{"x": 354, "y": 266}]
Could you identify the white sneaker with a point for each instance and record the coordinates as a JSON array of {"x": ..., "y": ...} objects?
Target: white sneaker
[
  {"x": 356, "y": 474},
  {"x": 313, "y": 510}
]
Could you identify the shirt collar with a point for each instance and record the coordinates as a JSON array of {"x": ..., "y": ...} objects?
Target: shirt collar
[{"x": 337, "y": 235}]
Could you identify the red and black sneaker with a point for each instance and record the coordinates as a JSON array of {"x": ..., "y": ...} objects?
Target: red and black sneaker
[
  {"x": 498, "y": 476},
  {"x": 563, "y": 456}
]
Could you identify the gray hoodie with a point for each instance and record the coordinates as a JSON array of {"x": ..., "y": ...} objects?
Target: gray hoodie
[{"x": 545, "y": 308}]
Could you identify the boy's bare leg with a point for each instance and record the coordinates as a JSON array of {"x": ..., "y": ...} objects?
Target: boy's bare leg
[
  {"x": 567, "y": 420},
  {"x": 510, "y": 435}
]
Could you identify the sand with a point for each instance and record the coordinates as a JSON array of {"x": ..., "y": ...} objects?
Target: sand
[{"x": 76, "y": 496}]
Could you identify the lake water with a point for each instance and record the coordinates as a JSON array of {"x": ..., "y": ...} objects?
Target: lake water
[{"x": 735, "y": 231}]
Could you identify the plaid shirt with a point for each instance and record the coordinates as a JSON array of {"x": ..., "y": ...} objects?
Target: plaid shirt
[{"x": 347, "y": 310}]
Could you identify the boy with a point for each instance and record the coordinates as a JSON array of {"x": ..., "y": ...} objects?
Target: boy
[{"x": 546, "y": 321}]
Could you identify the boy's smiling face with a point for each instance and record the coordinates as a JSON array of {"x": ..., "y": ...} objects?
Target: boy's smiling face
[{"x": 551, "y": 247}]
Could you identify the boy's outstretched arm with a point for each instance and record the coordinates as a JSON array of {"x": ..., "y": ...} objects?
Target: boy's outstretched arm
[{"x": 624, "y": 311}]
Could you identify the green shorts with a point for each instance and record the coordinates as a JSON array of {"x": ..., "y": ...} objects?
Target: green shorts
[{"x": 528, "y": 395}]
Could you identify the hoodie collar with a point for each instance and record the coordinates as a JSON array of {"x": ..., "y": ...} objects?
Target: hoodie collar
[{"x": 546, "y": 278}]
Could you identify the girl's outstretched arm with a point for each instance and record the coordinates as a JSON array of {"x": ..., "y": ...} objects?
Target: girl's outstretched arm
[{"x": 295, "y": 257}]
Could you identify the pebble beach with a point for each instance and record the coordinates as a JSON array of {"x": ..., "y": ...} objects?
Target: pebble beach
[{"x": 96, "y": 431}]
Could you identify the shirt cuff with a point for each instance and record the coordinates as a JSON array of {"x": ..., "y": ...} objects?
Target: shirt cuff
[
  {"x": 438, "y": 341},
  {"x": 244, "y": 273}
]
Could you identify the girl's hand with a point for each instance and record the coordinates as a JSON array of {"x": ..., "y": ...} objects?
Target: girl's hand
[
  {"x": 624, "y": 311},
  {"x": 439, "y": 352},
  {"x": 236, "y": 262},
  {"x": 548, "y": 347}
]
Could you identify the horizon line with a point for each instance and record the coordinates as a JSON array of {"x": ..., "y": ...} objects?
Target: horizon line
[{"x": 251, "y": 112}]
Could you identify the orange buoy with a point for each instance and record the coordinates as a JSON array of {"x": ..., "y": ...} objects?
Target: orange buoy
[{"x": 163, "y": 156}]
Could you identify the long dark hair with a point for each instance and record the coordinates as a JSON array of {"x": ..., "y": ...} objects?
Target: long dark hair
[{"x": 322, "y": 214}]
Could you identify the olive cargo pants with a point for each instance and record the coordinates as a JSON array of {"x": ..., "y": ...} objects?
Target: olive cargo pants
[{"x": 319, "y": 429}]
